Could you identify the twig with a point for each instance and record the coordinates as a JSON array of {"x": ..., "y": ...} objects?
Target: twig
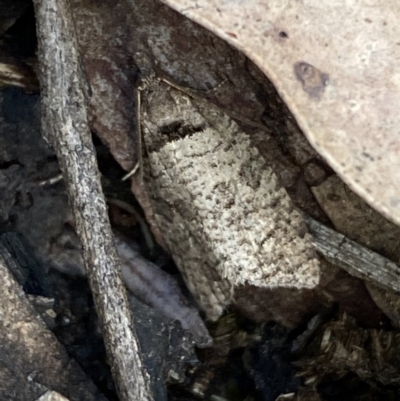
[
  {"x": 65, "y": 126},
  {"x": 357, "y": 260},
  {"x": 30, "y": 354}
]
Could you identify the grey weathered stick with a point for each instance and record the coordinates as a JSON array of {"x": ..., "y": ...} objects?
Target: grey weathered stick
[
  {"x": 354, "y": 258},
  {"x": 31, "y": 358},
  {"x": 65, "y": 126}
]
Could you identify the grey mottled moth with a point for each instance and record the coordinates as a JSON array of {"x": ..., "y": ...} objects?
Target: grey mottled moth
[{"x": 223, "y": 215}]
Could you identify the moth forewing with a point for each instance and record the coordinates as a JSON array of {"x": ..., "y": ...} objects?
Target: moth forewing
[{"x": 224, "y": 217}]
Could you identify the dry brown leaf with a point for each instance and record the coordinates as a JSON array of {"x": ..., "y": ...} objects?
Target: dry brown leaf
[{"x": 334, "y": 64}]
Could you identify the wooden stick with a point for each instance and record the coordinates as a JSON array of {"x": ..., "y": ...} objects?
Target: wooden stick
[
  {"x": 31, "y": 358},
  {"x": 65, "y": 126},
  {"x": 357, "y": 260}
]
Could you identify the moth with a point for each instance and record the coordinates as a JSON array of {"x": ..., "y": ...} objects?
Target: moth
[{"x": 225, "y": 219}]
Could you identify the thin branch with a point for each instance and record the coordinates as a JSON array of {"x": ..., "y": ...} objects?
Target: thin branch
[
  {"x": 30, "y": 354},
  {"x": 65, "y": 126},
  {"x": 357, "y": 260}
]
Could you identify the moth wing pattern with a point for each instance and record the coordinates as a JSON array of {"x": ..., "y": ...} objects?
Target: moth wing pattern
[{"x": 224, "y": 217}]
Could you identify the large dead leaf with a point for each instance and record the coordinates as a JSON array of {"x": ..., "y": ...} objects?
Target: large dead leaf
[{"x": 334, "y": 64}]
